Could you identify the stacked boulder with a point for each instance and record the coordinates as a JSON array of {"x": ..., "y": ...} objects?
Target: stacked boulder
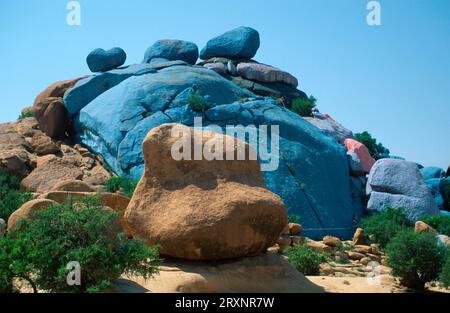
[
  {"x": 398, "y": 184},
  {"x": 230, "y": 55},
  {"x": 200, "y": 210}
]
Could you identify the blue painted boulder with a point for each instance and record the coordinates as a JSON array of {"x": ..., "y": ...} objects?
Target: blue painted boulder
[
  {"x": 100, "y": 60},
  {"x": 431, "y": 172},
  {"x": 172, "y": 50},
  {"x": 311, "y": 173},
  {"x": 434, "y": 185},
  {"x": 398, "y": 184},
  {"x": 142, "y": 102},
  {"x": 445, "y": 192},
  {"x": 88, "y": 89},
  {"x": 239, "y": 43}
]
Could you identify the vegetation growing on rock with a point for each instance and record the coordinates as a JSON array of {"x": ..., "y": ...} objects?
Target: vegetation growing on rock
[
  {"x": 122, "y": 184},
  {"x": 376, "y": 149},
  {"x": 11, "y": 198},
  {"x": 304, "y": 106},
  {"x": 40, "y": 250}
]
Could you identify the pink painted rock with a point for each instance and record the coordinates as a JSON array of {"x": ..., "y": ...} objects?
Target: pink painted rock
[
  {"x": 265, "y": 73},
  {"x": 363, "y": 153}
]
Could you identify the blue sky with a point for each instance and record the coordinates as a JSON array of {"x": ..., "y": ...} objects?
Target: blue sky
[{"x": 392, "y": 80}]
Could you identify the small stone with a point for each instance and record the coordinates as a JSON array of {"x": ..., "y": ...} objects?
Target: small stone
[
  {"x": 374, "y": 257},
  {"x": 331, "y": 241},
  {"x": 375, "y": 248},
  {"x": 326, "y": 269},
  {"x": 358, "y": 237},
  {"x": 444, "y": 240},
  {"x": 320, "y": 246},
  {"x": 297, "y": 240},
  {"x": 295, "y": 229},
  {"x": 355, "y": 255},
  {"x": 274, "y": 249},
  {"x": 284, "y": 242},
  {"x": 364, "y": 261},
  {"x": 43, "y": 145},
  {"x": 362, "y": 249},
  {"x": 421, "y": 227}
]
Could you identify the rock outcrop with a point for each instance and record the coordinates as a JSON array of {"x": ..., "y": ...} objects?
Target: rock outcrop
[
  {"x": 206, "y": 209},
  {"x": 365, "y": 159},
  {"x": 395, "y": 183}
]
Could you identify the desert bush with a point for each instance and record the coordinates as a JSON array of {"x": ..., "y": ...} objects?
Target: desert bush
[
  {"x": 383, "y": 226},
  {"x": 439, "y": 222},
  {"x": 25, "y": 115},
  {"x": 122, "y": 184},
  {"x": 11, "y": 198},
  {"x": 303, "y": 106},
  {"x": 416, "y": 258},
  {"x": 305, "y": 259},
  {"x": 197, "y": 101},
  {"x": 444, "y": 277},
  {"x": 294, "y": 218},
  {"x": 40, "y": 249},
  {"x": 376, "y": 150}
]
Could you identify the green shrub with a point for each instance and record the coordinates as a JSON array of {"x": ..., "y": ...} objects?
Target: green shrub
[
  {"x": 444, "y": 277},
  {"x": 383, "y": 226},
  {"x": 25, "y": 115},
  {"x": 11, "y": 198},
  {"x": 40, "y": 251},
  {"x": 439, "y": 222},
  {"x": 416, "y": 258},
  {"x": 303, "y": 106},
  {"x": 305, "y": 259},
  {"x": 197, "y": 101},
  {"x": 376, "y": 150},
  {"x": 122, "y": 184},
  {"x": 294, "y": 218}
]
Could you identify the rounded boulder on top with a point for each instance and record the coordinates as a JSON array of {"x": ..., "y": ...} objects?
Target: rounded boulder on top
[
  {"x": 239, "y": 43},
  {"x": 100, "y": 60}
]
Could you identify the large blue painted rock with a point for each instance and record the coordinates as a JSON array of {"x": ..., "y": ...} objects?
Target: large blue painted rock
[
  {"x": 434, "y": 185},
  {"x": 145, "y": 101},
  {"x": 172, "y": 50},
  {"x": 100, "y": 60},
  {"x": 432, "y": 172},
  {"x": 310, "y": 173},
  {"x": 239, "y": 43},
  {"x": 395, "y": 183},
  {"x": 90, "y": 88}
]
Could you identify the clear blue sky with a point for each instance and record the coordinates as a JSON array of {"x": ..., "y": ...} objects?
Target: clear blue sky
[{"x": 392, "y": 80}]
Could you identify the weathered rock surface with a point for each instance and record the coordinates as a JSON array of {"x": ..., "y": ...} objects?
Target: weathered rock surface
[
  {"x": 226, "y": 210},
  {"x": 395, "y": 183},
  {"x": 367, "y": 161},
  {"x": 100, "y": 60},
  {"x": 265, "y": 73},
  {"x": 172, "y": 50},
  {"x": 241, "y": 42},
  {"x": 330, "y": 127},
  {"x": 15, "y": 154},
  {"x": 43, "y": 178},
  {"x": 72, "y": 185},
  {"x": 264, "y": 274},
  {"x": 27, "y": 210}
]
